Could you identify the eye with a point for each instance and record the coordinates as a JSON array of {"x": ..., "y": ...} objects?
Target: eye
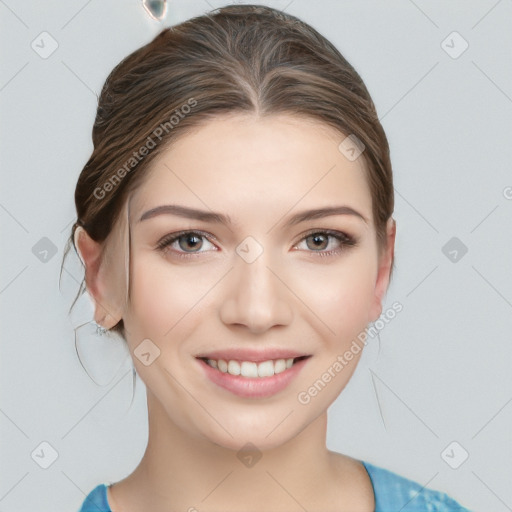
[
  {"x": 184, "y": 240},
  {"x": 320, "y": 242},
  {"x": 186, "y": 244}
]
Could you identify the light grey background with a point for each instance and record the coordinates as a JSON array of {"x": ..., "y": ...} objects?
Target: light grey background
[{"x": 442, "y": 373}]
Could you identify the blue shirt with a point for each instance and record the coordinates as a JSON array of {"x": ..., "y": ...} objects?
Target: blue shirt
[{"x": 393, "y": 493}]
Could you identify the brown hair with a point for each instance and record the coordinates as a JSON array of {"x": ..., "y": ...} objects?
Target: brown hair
[{"x": 237, "y": 59}]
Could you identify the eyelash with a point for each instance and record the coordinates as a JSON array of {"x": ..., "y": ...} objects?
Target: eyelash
[{"x": 343, "y": 238}]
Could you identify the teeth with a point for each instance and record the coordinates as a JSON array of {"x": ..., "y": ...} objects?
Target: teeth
[
  {"x": 233, "y": 368},
  {"x": 251, "y": 369},
  {"x": 248, "y": 369},
  {"x": 279, "y": 366},
  {"x": 266, "y": 369}
]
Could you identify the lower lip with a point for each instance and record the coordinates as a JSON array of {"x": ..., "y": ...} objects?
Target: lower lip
[{"x": 256, "y": 387}]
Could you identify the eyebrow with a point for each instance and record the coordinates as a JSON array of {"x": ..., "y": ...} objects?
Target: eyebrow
[{"x": 219, "y": 218}]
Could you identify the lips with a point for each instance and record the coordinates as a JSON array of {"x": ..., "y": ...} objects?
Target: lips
[{"x": 250, "y": 373}]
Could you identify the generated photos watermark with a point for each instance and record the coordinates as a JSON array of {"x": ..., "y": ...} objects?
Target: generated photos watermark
[
  {"x": 151, "y": 142},
  {"x": 342, "y": 360}
]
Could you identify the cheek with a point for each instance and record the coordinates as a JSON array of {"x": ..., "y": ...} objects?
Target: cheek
[
  {"x": 165, "y": 308},
  {"x": 164, "y": 298},
  {"x": 341, "y": 295}
]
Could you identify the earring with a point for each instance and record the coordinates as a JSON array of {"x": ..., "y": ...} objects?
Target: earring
[
  {"x": 100, "y": 330},
  {"x": 101, "y": 352},
  {"x": 157, "y": 9}
]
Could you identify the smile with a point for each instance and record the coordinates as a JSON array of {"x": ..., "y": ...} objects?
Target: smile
[
  {"x": 251, "y": 379},
  {"x": 251, "y": 369}
]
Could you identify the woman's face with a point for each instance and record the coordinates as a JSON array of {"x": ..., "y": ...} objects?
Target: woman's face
[{"x": 253, "y": 279}]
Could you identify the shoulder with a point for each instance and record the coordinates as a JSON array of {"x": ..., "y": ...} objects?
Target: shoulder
[
  {"x": 96, "y": 500},
  {"x": 392, "y": 491}
]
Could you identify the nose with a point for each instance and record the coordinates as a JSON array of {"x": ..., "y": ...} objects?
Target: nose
[{"x": 256, "y": 296}]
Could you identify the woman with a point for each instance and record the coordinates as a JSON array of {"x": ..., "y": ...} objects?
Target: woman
[{"x": 235, "y": 224}]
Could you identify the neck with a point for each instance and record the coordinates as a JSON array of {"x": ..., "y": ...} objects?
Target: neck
[{"x": 179, "y": 471}]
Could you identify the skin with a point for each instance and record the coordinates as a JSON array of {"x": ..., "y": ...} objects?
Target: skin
[{"x": 259, "y": 171}]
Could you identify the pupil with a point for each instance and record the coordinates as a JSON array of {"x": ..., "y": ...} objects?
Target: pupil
[
  {"x": 317, "y": 238},
  {"x": 188, "y": 239}
]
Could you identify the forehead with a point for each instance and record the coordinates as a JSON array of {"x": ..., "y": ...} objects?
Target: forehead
[{"x": 266, "y": 164}]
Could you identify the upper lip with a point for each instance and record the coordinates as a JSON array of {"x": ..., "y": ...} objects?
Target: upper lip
[{"x": 247, "y": 354}]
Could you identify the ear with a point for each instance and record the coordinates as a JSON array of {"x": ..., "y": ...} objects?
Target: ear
[
  {"x": 384, "y": 271},
  {"x": 101, "y": 287}
]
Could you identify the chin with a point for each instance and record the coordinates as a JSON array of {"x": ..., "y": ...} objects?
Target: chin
[
  {"x": 248, "y": 441},
  {"x": 264, "y": 431}
]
